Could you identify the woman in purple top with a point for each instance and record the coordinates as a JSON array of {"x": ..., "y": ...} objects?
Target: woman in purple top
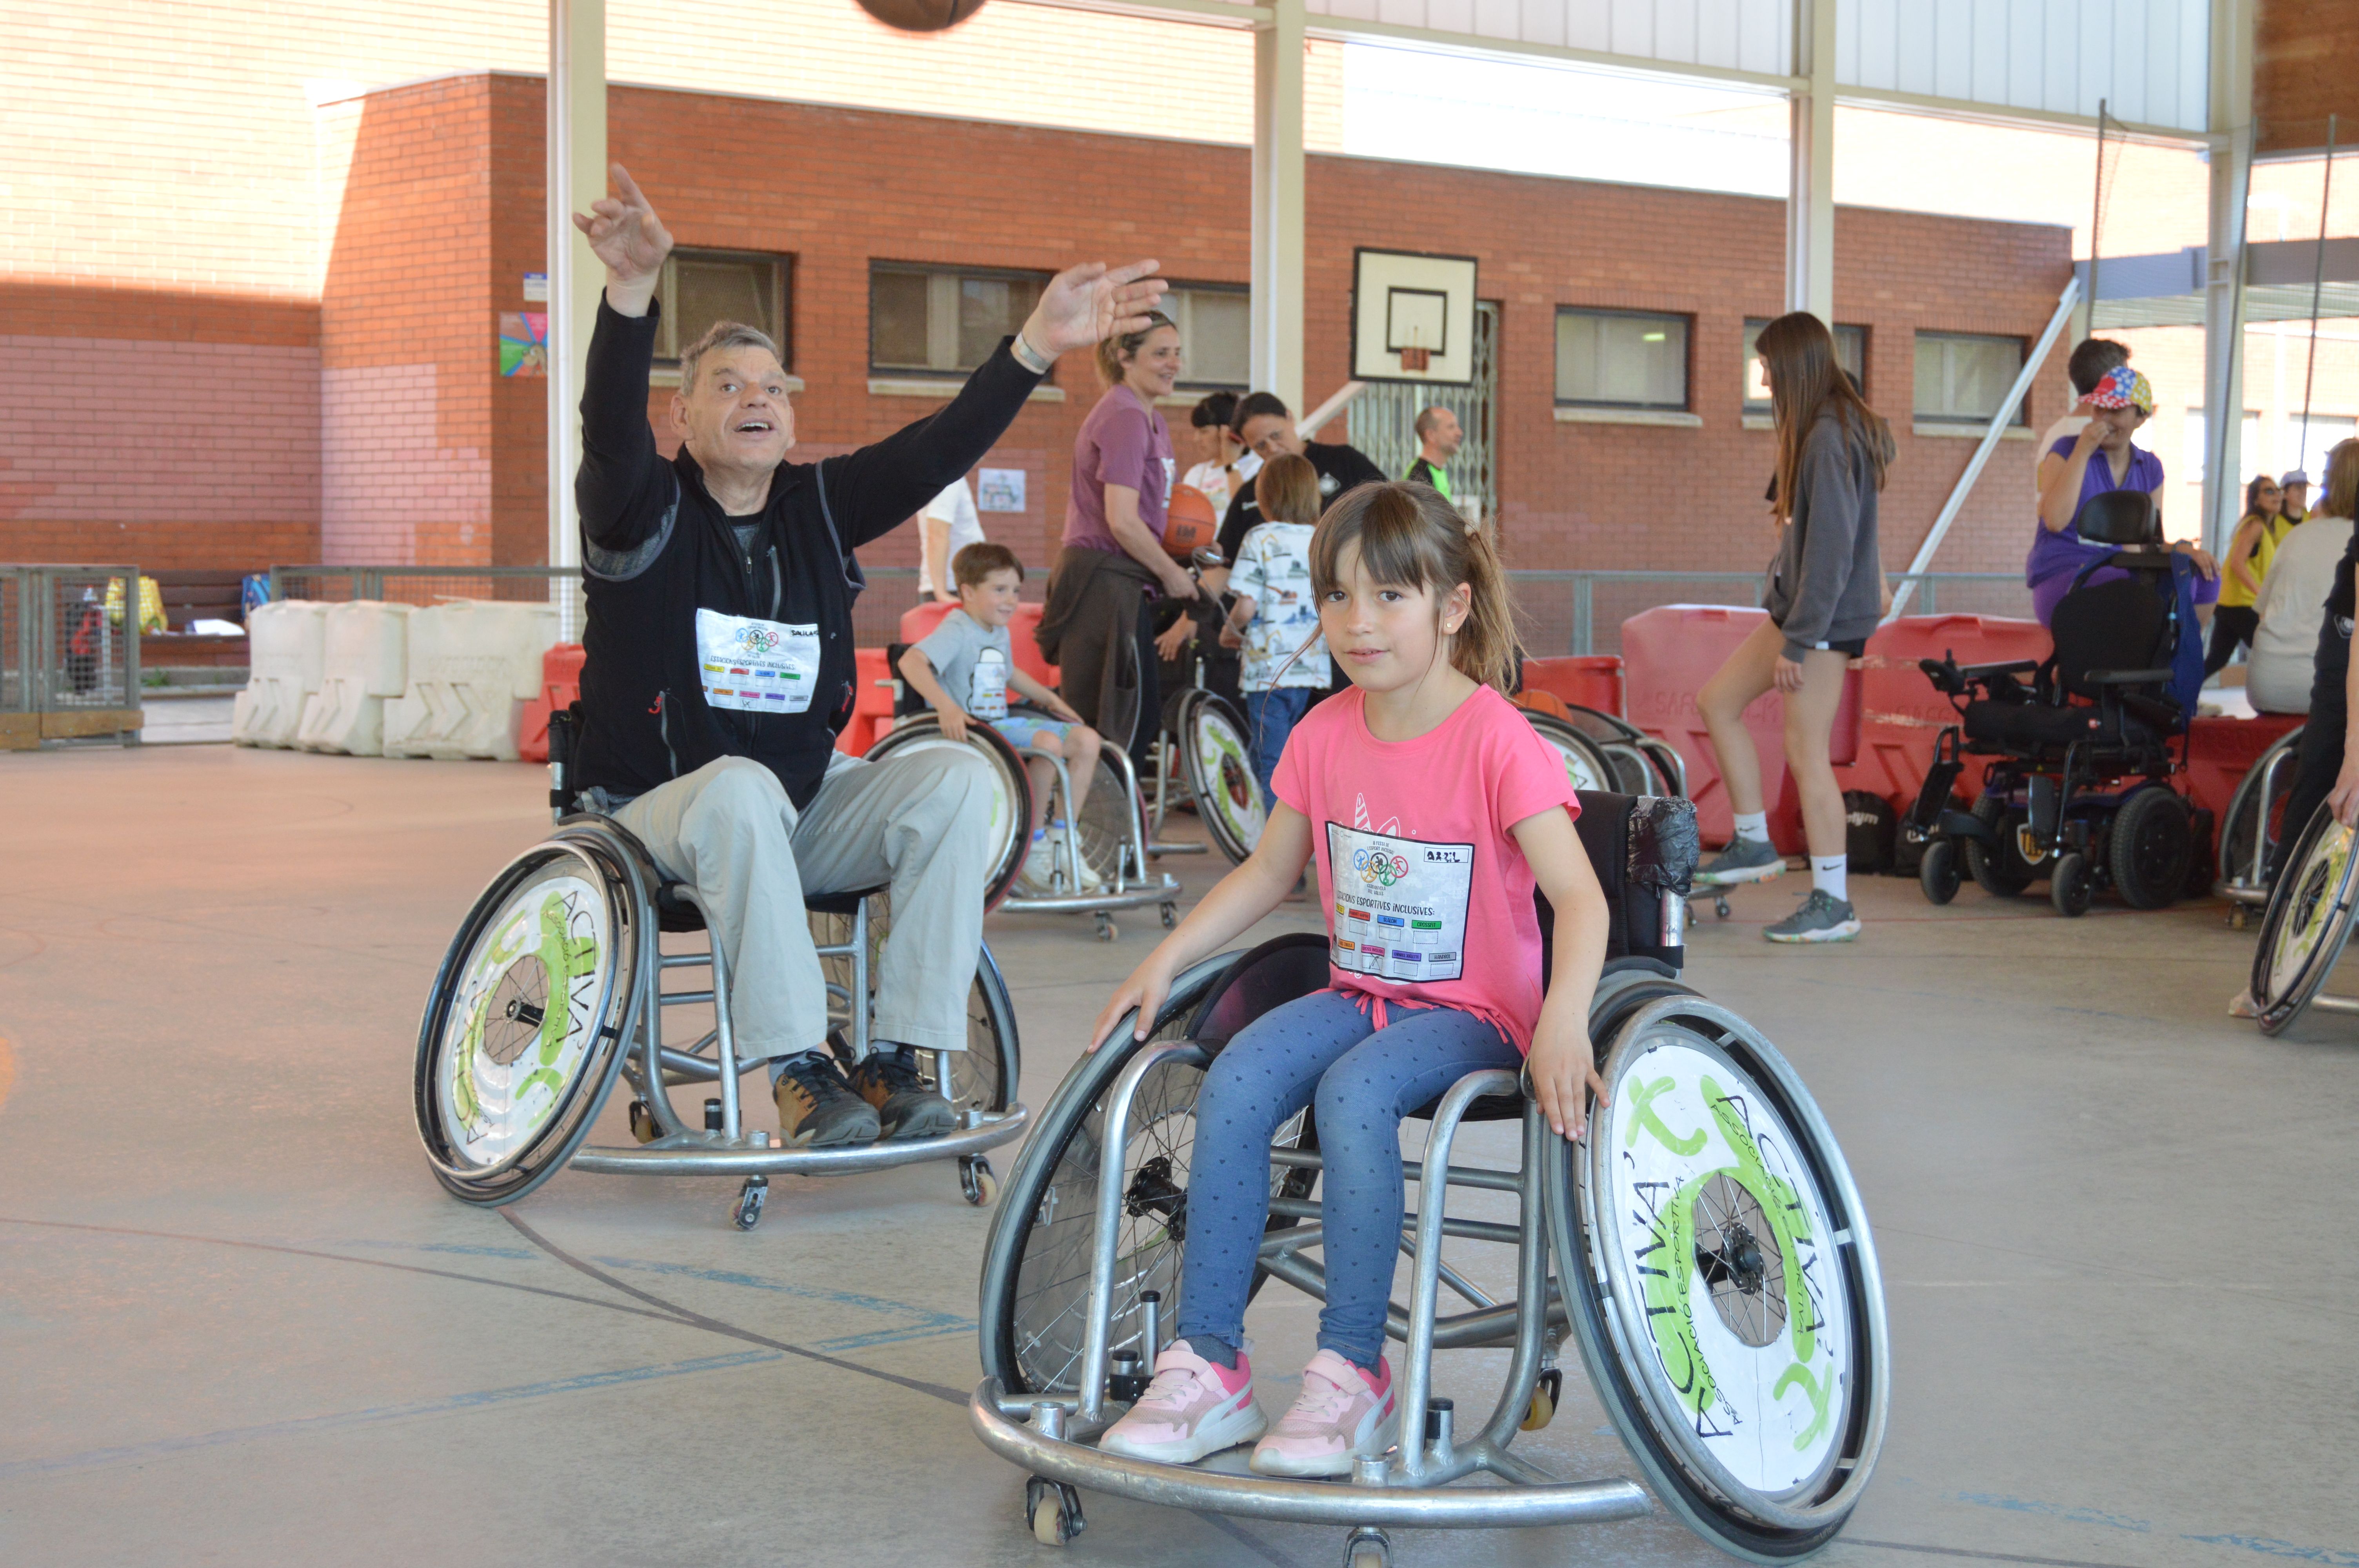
[
  {"x": 1113, "y": 555},
  {"x": 2100, "y": 459}
]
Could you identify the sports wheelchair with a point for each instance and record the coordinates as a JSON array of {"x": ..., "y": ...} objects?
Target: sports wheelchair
[
  {"x": 553, "y": 989},
  {"x": 1750, "y": 1383},
  {"x": 2305, "y": 927},
  {"x": 2080, "y": 790},
  {"x": 2254, "y": 823}
]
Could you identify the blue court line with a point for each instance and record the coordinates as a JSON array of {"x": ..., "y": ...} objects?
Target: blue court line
[
  {"x": 929, "y": 1324},
  {"x": 479, "y": 1399},
  {"x": 2267, "y": 1546}
]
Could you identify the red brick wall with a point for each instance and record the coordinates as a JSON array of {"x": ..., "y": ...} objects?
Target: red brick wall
[
  {"x": 2306, "y": 67},
  {"x": 841, "y": 187}
]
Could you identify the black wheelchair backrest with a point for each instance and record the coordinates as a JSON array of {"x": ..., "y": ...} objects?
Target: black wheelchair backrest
[
  {"x": 1643, "y": 848},
  {"x": 2118, "y": 517},
  {"x": 2118, "y": 625}
]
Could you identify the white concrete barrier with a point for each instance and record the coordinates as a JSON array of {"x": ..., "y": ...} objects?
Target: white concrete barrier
[
  {"x": 473, "y": 664},
  {"x": 285, "y": 644},
  {"x": 365, "y": 663}
]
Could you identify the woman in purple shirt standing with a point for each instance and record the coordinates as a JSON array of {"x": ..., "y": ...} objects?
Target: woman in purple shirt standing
[
  {"x": 1113, "y": 559},
  {"x": 2098, "y": 459}
]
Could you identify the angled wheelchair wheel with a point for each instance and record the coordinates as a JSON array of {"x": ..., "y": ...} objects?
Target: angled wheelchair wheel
[
  {"x": 1217, "y": 759},
  {"x": 1035, "y": 1279},
  {"x": 519, "y": 1044},
  {"x": 1722, "y": 1284},
  {"x": 2248, "y": 817},
  {"x": 1107, "y": 818},
  {"x": 1623, "y": 744},
  {"x": 2308, "y": 923},
  {"x": 1012, "y": 802},
  {"x": 1585, "y": 764}
]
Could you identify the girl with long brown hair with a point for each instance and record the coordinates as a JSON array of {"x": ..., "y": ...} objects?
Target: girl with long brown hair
[
  {"x": 1434, "y": 810},
  {"x": 1825, "y": 595}
]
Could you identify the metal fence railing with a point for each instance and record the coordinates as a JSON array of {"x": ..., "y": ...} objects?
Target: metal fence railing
[
  {"x": 69, "y": 654},
  {"x": 875, "y": 615},
  {"x": 1580, "y": 612}
]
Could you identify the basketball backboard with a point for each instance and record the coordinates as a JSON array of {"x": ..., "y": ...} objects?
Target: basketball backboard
[{"x": 1412, "y": 317}]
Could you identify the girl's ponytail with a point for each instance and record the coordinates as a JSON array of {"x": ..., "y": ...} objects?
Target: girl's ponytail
[{"x": 1409, "y": 535}]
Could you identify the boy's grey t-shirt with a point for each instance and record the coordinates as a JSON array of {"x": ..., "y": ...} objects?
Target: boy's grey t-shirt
[{"x": 972, "y": 661}]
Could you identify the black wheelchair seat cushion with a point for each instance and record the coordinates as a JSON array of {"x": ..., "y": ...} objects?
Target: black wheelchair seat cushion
[{"x": 2029, "y": 727}]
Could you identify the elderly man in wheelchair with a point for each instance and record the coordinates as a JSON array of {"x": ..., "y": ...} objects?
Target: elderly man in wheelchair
[{"x": 719, "y": 668}]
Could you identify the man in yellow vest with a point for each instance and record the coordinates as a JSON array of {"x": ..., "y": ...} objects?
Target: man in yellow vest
[{"x": 1439, "y": 436}]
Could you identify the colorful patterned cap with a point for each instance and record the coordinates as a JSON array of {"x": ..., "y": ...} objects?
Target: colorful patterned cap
[{"x": 2124, "y": 388}]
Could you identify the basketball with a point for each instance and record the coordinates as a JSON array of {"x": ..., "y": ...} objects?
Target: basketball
[
  {"x": 922, "y": 16},
  {"x": 1188, "y": 522}
]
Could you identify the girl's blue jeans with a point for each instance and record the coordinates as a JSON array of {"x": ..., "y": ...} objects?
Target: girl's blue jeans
[
  {"x": 1271, "y": 717},
  {"x": 1318, "y": 1051}
]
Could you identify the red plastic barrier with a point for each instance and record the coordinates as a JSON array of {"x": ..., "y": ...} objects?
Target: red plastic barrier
[
  {"x": 1902, "y": 712},
  {"x": 1593, "y": 681},
  {"x": 2220, "y": 751},
  {"x": 872, "y": 702},
  {"x": 920, "y": 618},
  {"x": 561, "y": 687}
]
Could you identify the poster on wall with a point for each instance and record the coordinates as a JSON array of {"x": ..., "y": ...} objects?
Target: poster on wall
[
  {"x": 524, "y": 343},
  {"x": 1000, "y": 489}
]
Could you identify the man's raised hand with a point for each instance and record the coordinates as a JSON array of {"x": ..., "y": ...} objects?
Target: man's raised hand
[
  {"x": 1084, "y": 305},
  {"x": 628, "y": 236}
]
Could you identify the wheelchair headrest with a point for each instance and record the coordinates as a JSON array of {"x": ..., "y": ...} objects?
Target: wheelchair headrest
[
  {"x": 2118, "y": 625},
  {"x": 2119, "y": 517}
]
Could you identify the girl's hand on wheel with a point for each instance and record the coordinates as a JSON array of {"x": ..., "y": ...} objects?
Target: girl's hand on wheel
[
  {"x": 2344, "y": 800},
  {"x": 1563, "y": 1069},
  {"x": 1144, "y": 990}
]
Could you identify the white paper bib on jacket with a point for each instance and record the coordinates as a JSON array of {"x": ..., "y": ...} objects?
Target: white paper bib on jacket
[{"x": 756, "y": 667}]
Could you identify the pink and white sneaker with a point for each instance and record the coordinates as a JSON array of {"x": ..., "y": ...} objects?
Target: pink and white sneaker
[
  {"x": 1193, "y": 1407},
  {"x": 1341, "y": 1414}
]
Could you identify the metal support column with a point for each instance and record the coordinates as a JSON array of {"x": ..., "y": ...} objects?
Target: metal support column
[
  {"x": 2223, "y": 282},
  {"x": 1811, "y": 191},
  {"x": 576, "y": 177},
  {"x": 1278, "y": 202}
]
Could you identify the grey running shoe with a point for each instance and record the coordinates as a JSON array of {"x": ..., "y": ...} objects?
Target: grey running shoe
[
  {"x": 908, "y": 1103},
  {"x": 1745, "y": 861},
  {"x": 1822, "y": 918},
  {"x": 817, "y": 1110}
]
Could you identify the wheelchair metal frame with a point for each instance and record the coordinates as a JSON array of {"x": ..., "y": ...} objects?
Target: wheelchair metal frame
[
  {"x": 1133, "y": 888},
  {"x": 1406, "y": 1490},
  {"x": 2247, "y": 888}
]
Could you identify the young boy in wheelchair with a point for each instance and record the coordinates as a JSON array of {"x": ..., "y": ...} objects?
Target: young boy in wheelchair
[
  {"x": 964, "y": 670},
  {"x": 1432, "y": 809}
]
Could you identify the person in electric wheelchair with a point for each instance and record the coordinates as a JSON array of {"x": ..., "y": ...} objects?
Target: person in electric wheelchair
[
  {"x": 2080, "y": 790},
  {"x": 1432, "y": 809},
  {"x": 719, "y": 669}
]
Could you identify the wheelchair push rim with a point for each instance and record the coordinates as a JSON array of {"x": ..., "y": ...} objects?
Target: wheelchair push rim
[
  {"x": 2308, "y": 923},
  {"x": 1585, "y": 763},
  {"x": 1217, "y": 761},
  {"x": 1753, "y": 1384},
  {"x": 521, "y": 1038},
  {"x": 1011, "y": 811}
]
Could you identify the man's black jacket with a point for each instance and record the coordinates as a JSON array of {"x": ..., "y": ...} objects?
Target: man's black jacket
[{"x": 656, "y": 548}]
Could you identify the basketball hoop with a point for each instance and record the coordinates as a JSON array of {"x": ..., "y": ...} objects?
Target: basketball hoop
[{"x": 1416, "y": 360}]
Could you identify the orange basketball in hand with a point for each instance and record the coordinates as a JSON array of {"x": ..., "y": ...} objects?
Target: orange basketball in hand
[
  {"x": 1188, "y": 522},
  {"x": 922, "y": 16}
]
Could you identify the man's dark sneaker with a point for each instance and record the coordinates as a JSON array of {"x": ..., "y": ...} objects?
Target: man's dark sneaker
[
  {"x": 1745, "y": 861},
  {"x": 909, "y": 1103},
  {"x": 1822, "y": 918},
  {"x": 817, "y": 1110}
]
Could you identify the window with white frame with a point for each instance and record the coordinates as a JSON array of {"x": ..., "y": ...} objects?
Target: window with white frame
[
  {"x": 700, "y": 287},
  {"x": 1621, "y": 359},
  {"x": 1851, "y": 353},
  {"x": 946, "y": 322},
  {"x": 2195, "y": 455},
  {"x": 1963, "y": 377},
  {"x": 1215, "y": 324}
]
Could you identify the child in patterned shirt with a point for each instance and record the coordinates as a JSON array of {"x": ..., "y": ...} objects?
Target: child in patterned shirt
[{"x": 1274, "y": 617}]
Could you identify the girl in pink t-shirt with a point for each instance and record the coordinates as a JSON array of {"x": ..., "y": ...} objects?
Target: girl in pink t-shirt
[{"x": 1433, "y": 810}]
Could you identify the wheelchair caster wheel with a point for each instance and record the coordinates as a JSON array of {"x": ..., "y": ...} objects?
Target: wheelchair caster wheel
[
  {"x": 1053, "y": 1510},
  {"x": 1107, "y": 930},
  {"x": 2071, "y": 884},
  {"x": 1720, "y": 907},
  {"x": 643, "y": 1123},
  {"x": 1170, "y": 915},
  {"x": 976, "y": 1181},
  {"x": 1368, "y": 1548},
  {"x": 1545, "y": 1396},
  {"x": 750, "y": 1198},
  {"x": 2239, "y": 917}
]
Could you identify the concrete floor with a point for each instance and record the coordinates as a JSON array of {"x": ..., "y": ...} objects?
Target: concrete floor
[{"x": 239, "y": 1322}]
